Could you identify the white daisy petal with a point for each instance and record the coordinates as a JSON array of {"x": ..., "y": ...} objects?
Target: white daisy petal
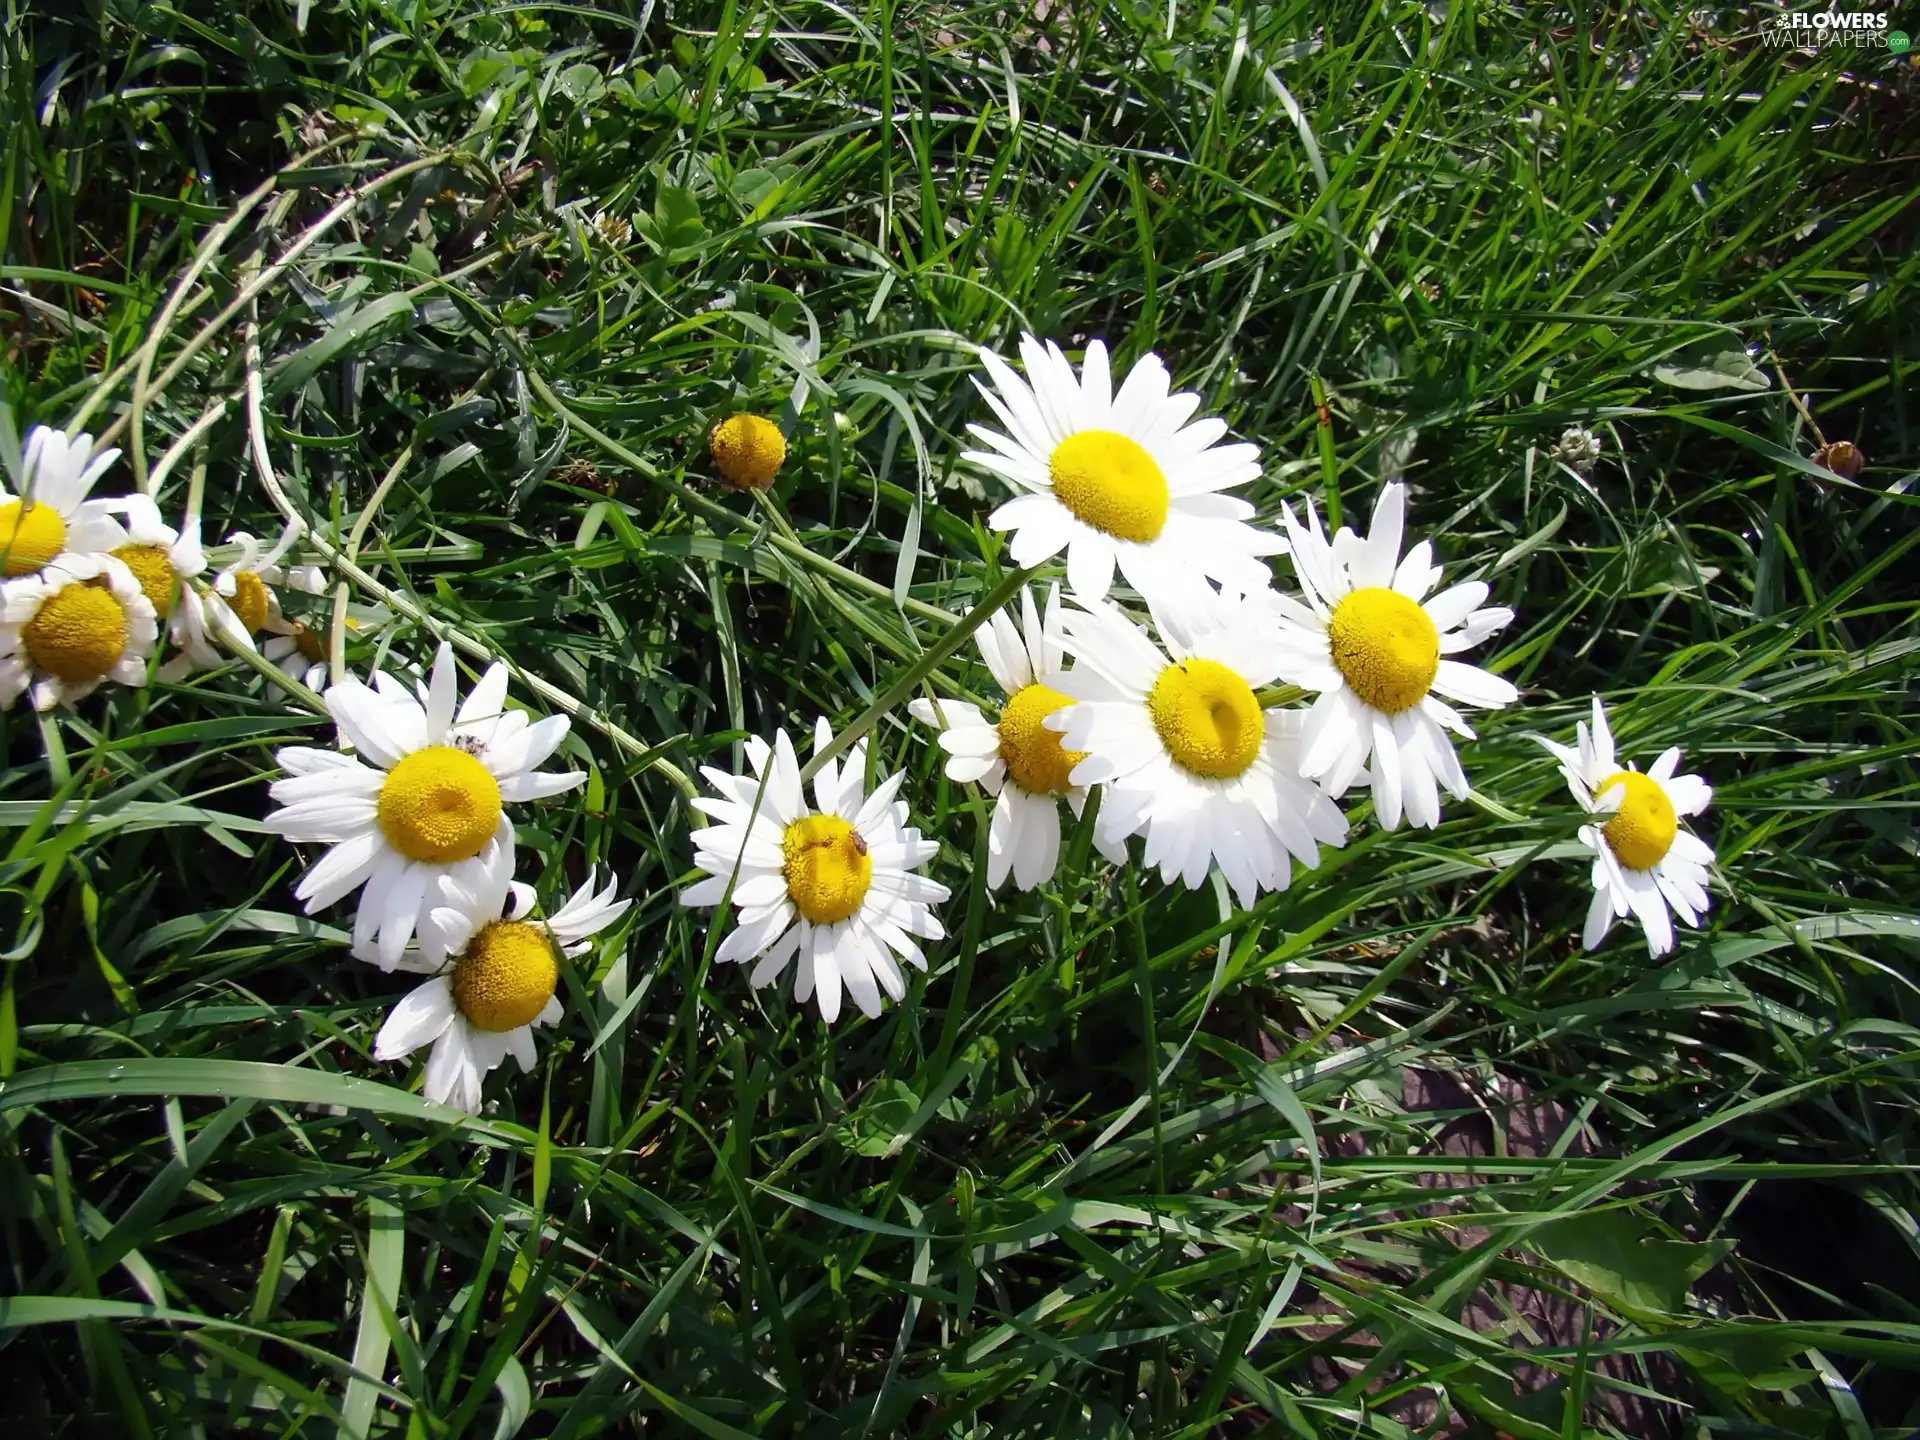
[
  {"x": 440, "y": 701},
  {"x": 1473, "y": 686},
  {"x": 451, "y": 1077},
  {"x": 419, "y": 1019}
]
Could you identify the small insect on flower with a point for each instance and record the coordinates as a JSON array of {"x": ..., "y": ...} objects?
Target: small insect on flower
[
  {"x": 1644, "y": 862},
  {"x": 747, "y": 451}
]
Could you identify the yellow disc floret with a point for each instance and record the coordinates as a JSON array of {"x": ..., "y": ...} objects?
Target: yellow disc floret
[
  {"x": 1386, "y": 648},
  {"x": 30, "y": 536},
  {"x": 439, "y": 804},
  {"x": 1207, "y": 718},
  {"x": 308, "y": 642},
  {"x": 747, "y": 451},
  {"x": 506, "y": 976},
  {"x": 1110, "y": 483},
  {"x": 827, "y": 867},
  {"x": 154, "y": 571},
  {"x": 249, "y": 601},
  {"x": 79, "y": 633},
  {"x": 1642, "y": 830},
  {"x": 1033, "y": 754}
]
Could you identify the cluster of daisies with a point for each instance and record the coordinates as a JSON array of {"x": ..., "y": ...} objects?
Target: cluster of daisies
[
  {"x": 411, "y": 802},
  {"x": 1170, "y": 715},
  {"x": 89, "y": 583},
  {"x": 1167, "y": 705},
  {"x": 412, "y": 807}
]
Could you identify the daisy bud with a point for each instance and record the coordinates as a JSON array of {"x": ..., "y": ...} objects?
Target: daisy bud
[{"x": 747, "y": 451}]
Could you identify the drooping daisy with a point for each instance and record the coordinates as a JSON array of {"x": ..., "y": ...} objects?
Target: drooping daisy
[
  {"x": 167, "y": 562},
  {"x": 833, "y": 886},
  {"x": 301, "y": 649},
  {"x": 1643, "y": 861},
  {"x": 418, "y": 812},
  {"x": 52, "y": 514},
  {"x": 75, "y": 624},
  {"x": 499, "y": 978},
  {"x": 1184, "y": 749},
  {"x": 1369, "y": 639},
  {"x": 159, "y": 556},
  {"x": 246, "y": 585},
  {"x": 1016, "y": 757},
  {"x": 1118, "y": 478},
  {"x": 237, "y": 604}
]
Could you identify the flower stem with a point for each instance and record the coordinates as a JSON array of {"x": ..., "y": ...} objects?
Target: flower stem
[
  {"x": 710, "y": 509},
  {"x": 911, "y": 677}
]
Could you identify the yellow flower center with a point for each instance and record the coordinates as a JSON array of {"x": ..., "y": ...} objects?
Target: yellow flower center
[
  {"x": 1642, "y": 830},
  {"x": 1385, "y": 647},
  {"x": 827, "y": 868},
  {"x": 249, "y": 601},
  {"x": 79, "y": 633},
  {"x": 439, "y": 804},
  {"x": 1033, "y": 754},
  {"x": 1207, "y": 718},
  {"x": 747, "y": 450},
  {"x": 1112, "y": 484},
  {"x": 154, "y": 571},
  {"x": 507, "y": 975},
  {"x": 307, "y": 641},
  {"x": 30, "y": 536}
]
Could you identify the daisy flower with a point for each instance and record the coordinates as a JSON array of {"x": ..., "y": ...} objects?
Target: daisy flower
[
  {"x": 1016, "y": 757},
  {"x": 301, "y": 650},
  {"x": 167, "y": 563},
  {"x": 246, "y": 586},
  {"x": 1118, "y": 478},
  {"x": 78, "y": 622},
  {"x": 417, "y": 813},
  {"x": 1184, "y": 749},
  {"x": 231, "y": 609},
  {"x": 1643, "y": 862},
  {"x": 1371, "y": 641},
  {"x": 52, "y": 514},
  {"x": 159, "y": 556},
  {"x": 833, "y": 887},
  {"x": 499, "y": 979}
]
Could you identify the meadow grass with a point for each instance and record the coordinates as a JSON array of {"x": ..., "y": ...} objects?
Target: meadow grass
[{"x": 1387, "y": 1154}]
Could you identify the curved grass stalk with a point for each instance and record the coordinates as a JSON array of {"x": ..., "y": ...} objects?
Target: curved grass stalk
[
  {"x": 337, "y": 629},
  {"x": 650, "y": 757},
  {"x": 250, "y": 291},
  {"x": 203, "y": 257}
]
